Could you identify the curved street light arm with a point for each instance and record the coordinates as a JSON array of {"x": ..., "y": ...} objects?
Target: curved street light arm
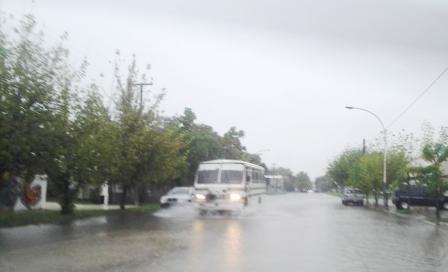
[
  {"x": 385, "y": 151},
  {"x": 372, "y": 113}
]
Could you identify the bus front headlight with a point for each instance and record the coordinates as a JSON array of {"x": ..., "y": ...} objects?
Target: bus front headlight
[
  {"x": 235, "y": 197},
  {"x": 200, "y": 197}
]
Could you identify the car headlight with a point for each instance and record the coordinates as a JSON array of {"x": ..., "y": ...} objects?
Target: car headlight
[
  {"x": 235, "y": 197},
  {"x": 200, "y": 197}
]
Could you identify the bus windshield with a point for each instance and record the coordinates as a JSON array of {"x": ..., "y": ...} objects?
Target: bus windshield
[
  {"x": 208, "y": 176},
  {"x": 220, "y": 173},
  {"x": 231, "y": 176}
]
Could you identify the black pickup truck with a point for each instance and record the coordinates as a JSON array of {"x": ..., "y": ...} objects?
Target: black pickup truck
[{"x": 416, "y": 195}]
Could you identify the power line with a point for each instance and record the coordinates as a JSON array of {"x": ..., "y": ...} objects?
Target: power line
[{"x": 426, "y": 90}]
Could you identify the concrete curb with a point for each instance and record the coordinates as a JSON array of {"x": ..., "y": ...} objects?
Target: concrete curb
[{"x": 419, "y": 217}]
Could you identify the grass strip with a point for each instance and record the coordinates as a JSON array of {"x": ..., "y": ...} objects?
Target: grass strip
[{"x": 36, "y": 217}]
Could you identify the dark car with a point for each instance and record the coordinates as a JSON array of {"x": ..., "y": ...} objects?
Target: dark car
[{"x": 416, "y": 195}]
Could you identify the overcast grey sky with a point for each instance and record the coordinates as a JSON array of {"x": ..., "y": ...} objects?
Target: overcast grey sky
[{"x": 280, "y": 70}]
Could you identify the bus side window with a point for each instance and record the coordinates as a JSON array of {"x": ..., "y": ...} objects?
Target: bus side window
[
  {"x": 248, "y": 175},
  {"x": 257, "y": 176}
]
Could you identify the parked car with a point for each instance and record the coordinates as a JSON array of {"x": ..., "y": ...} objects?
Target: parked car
[
  {"x": 416, "y": 195},
  {"x": 353, "y": 197},
  {"x": 177, "y": 195}
]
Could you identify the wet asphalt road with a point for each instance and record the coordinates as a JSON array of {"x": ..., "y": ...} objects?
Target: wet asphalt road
[{"x": 292, "y": 232}]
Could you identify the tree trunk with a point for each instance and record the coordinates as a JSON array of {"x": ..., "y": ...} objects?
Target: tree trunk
[
  {"x": 138, "y": 189},
  {"x": 409, "y": 196},
  {"x": 67, "y": 206},
  {"x": 123, "y": 197},
  {"x": 437, "y": 214},
  {"x": 438, "y": 206},
  {"x": 367, "y": 199},
  {"x": 26, "y": 190},
  {"x": 376, "y": 199}
]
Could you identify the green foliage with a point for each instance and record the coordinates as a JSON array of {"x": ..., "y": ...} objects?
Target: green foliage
[
  {"x": 303, "y": 181},
  {"x": 433, "y": 175},
  {"x": 398, "y": 165},
  {"x": 27, "y": 91},
  {"x": 370, "y": 175},
  {"x": 38, "y": 105},
  {"x": 365, "y": 171},
  {"x": 53, "y": 122},
  {"x": 324, "y": 184},
  {"x": 203, "y": 143},
  {"x": 146, "y": 152},
  {"x": 231, "y": 143},
  {"x": 339, "y": 170}
]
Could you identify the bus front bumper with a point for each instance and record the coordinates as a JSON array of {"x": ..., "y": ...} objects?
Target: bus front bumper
[{"x": 218, "y": 205}]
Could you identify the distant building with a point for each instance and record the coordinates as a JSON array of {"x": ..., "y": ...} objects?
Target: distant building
[{"x": 275, "y": 184}]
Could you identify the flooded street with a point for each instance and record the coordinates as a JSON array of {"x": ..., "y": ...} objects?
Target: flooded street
[{"x": 291, "y": 232}]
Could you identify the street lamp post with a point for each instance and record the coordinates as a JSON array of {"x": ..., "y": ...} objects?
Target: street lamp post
[{"x": 385, "y": 198}]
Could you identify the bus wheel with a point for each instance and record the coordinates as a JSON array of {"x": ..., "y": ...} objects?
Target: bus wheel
[
  {"x": 259, "y": 200},
  {"x": 202, "y": 212},
  {"x": 246, "y": 201}
]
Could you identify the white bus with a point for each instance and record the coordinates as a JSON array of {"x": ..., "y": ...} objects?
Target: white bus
[{"x": 228, "y": 185}]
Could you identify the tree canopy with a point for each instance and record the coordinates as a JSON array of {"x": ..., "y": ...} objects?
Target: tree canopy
[{"x": 53, "y": 121}]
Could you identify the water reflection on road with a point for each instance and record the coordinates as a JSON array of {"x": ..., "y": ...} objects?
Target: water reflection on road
[{"x": 293, "y": 232}]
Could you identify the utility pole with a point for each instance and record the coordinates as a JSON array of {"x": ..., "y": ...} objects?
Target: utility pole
[
  {"x": 142, "y": 84},
  {"x": 138, "y": 188},
  {"x": 384, "y": 131}
]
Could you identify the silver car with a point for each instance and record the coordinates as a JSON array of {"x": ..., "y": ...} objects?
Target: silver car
[
  {"x": 353, "y": 197},
  {"x": 177, "y": 195}
]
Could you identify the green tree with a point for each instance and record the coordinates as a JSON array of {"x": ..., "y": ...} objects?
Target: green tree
[
  {"x": 96, "y": 135},
  {"x": 435, "y": 154},
  {"x": 365, "y": 171},
  {"x": 255, "y": 159},
  {"x": 28, "y": 75},
  {"x": 132, "y": 129},
  {"x": 79, "y": 146},
  {"x": 232, "y": 146},
  {"x": 398, "y": 164},
  {"x": 324, "y": 184},
  {"x": 303, "y": 181},
  {"x": 369, "y": 179},
  {"x": 147, "y": 151},
  {"x": 166, "y": 160},
  {"x": 203, "y": 143},
  {"x": 39, "y": 105},
  {"x": 340, "y": 168}
]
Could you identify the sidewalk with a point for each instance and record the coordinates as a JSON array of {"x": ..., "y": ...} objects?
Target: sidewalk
[{"x": 425, "y": 214}]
